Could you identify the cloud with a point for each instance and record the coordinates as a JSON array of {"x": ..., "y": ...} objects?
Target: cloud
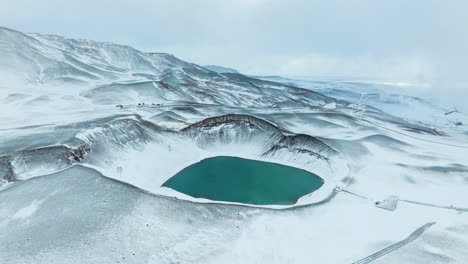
[{"x": 386, "y": 68}]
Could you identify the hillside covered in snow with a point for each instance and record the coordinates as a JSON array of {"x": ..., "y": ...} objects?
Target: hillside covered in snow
[{"x": 91, "y": 131}]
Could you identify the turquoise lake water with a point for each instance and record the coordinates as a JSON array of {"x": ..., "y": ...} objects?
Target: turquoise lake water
[{"x": 246, "y": 181}]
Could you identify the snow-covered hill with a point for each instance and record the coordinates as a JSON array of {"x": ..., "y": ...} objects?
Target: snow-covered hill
[{"x": 89, "y": 132}]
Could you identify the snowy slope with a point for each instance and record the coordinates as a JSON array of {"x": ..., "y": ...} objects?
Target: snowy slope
[
  {"x": 220, "y": 69},
  {"x": 89, "y": 131}
]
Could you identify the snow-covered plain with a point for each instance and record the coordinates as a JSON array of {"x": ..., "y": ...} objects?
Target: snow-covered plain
[{"x": 89, "y": 131}]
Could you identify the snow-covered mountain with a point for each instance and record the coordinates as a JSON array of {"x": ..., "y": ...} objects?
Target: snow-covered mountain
[
  {"x": 90, "y": 131},
  {"x": 111, "y": 69}
]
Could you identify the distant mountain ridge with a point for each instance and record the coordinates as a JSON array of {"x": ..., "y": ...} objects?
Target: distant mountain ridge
[{"x": 117, "y": 74}]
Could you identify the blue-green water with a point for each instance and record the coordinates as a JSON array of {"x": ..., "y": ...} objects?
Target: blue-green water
[{"x": 246, "y": 181}]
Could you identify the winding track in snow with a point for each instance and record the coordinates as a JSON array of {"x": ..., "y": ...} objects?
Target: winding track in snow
[
  {"x": 395, "y": 246},
  {"x": 355, "y": 194},
  {"x": 449, "y": 207},
  {"x": 461, "y": 209}
]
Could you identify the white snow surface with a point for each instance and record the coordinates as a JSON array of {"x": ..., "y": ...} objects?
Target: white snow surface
[{"x": 90, "y": 131}]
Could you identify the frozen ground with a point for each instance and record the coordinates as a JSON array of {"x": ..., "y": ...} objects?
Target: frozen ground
[{"x": 90, "y": 131}]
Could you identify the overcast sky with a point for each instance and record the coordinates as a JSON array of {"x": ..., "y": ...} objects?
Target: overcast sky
[{"x": 398, "y": 40}]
